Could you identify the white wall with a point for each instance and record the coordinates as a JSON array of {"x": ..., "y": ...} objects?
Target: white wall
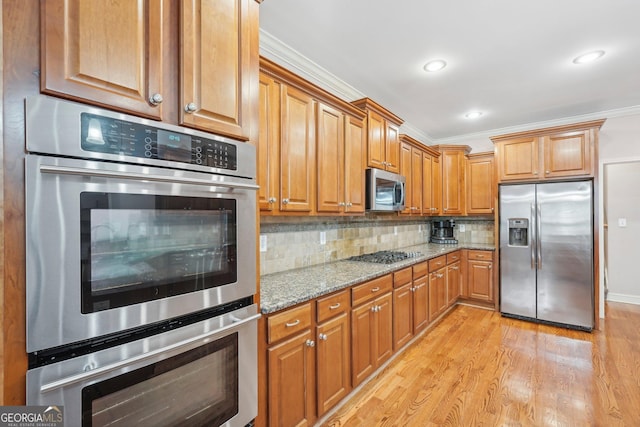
[{"x": 620, "y": 187}]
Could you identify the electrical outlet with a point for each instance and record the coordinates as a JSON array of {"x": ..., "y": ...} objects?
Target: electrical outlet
[
  {"x": 323, "y": 237},
  {"x": 461, "y": 228},
  {"x": 395, "y": 230},
  {"x": 263, "y": 243},
  {"x": 622, "y": 222}
]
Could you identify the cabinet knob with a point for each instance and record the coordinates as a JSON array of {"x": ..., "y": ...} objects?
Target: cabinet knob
[
  {"x": 272, "y": 199},
  {"x": 547, "y": 172},
  {"x": 349, "y": 204},
  {"x": 445, "y": 209},
  {"x": 155, "y": 99},
  {"x": 341, "y": 204},
  {"x": 190, "y": 108},
  {"x": 322, "y": 337},
  {"x": 285, "y": 201},
  {"x": 535, "y": 172},
  {"x": 310, "y": 343},
  {"x": 489, "y": 266}
]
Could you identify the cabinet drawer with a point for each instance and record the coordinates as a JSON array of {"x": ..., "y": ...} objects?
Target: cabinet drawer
[
  {"x": 288, "y": 322},
  {"x": 480, "y": 255},
  {"x": 332, "y": 305},
  {"x": 453, "y": 257},
  {"x": 369, "y": 290},
  {"x": 437, "y": 263},
  {"x": 420, "y": 270},
  {"x": 402, "y": 277}
]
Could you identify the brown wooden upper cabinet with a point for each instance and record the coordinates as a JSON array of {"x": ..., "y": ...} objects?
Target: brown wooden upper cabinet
[
  {"x": 422, "y": 189},
  {"x": 481, "y": 183},
  {"x": 383, "y": 139},
  {"x": 558, "y": 152},
  {"x": 453, "y": 171},
  {"x": 125, "y": 56},
  {"x": 310, "y": 148}
]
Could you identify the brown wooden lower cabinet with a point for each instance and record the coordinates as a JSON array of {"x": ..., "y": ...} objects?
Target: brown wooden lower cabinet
[
  {"x": 333, "y": 354},
  {"x": 319, "y": 350},
  {"x": 291, "y": 386},
  {"x": 371, "y": 336}
]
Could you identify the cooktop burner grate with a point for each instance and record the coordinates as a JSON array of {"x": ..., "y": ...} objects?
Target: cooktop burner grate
[{"x": 385, "y": 257}]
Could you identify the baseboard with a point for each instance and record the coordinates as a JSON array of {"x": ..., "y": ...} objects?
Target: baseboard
[{"x": 629, "y": 299}]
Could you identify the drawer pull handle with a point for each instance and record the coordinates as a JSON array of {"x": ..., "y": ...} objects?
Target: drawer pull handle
[
  {"x": 376, "y": 289},
  {"x": 334, "y": 306},
  {"x": 291, "y": 324}
]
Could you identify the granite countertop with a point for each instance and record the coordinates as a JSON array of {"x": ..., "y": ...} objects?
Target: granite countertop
[{"x": 288, "y": 288}]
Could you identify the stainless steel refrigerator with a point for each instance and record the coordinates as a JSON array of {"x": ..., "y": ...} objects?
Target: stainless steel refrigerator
[{"x": 546, "y": 252}]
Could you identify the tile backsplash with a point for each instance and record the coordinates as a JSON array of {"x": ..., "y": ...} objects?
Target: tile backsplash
[{"x": 298, "y": 242}]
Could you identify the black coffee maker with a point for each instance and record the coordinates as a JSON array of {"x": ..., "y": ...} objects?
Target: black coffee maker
[{"x": 442, "y": 232}]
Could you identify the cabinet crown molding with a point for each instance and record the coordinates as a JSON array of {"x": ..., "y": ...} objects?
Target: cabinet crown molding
[
  {"x": 369, "y": 104},
  {"x": 582, "y": 126},
  {"x": 283, "y": 75},
  {"x": 442, "y": 148},
  {"x": 418, "y": 144}
]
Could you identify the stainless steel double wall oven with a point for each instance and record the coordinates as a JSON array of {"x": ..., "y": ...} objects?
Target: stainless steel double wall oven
[{"x": 141, "y": 269}]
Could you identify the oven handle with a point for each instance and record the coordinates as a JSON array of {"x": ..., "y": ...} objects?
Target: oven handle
[
  {"x": 64, "y": 170},
  {"x": 107, "y": 368}
]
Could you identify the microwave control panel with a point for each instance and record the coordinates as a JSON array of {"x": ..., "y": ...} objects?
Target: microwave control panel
[{"x": 114, "y": 136}]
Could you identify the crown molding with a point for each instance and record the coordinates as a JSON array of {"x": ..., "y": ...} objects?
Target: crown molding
[{"x": 282, "y": 54}]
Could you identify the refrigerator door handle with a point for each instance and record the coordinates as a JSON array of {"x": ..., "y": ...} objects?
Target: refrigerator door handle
[
  {"x": 539, "y": 235},
  {"x": 534, "y": 242}
]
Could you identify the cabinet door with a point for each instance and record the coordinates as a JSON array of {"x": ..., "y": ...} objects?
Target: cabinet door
[
  {"x": 453, "y": 183},
  {"x": 416, "y": 179},
  {"x": 297, "y": 151},
  {"x": 268, "y": 144},
  {"x": 384, "y": 328},
  {"x": 480, "y": 280},
  {"x": 453, "y": 283},
  {"x": 292, "y": 382},
  {"x": 330, "y": 159},
  {"x": 354, "y": 146},
  {"x": 376, "y": 151},
  {"x": 405, "y": 170},
  {"x": 402, "y": 315},
  {"x": 362, "y": 342},
  {"x": 217, "y": 44},
  {"x": 436, "y": 195},
  {"x": 518, "y": 159},
  {"x": 420, "y": 303},
  {"x": 427, "y": 184},
  {"x": 480, "y": 185},
  {"x": 105, "y": 53},
  {"x": 567, "y": 154},
  {"x": 437, "y": 293},
  {"x": 334, "y": 362},
  {"x": 392, "y": 148}
]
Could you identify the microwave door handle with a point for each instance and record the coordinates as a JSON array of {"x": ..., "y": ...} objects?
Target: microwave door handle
[
  {"x": 46, "y": 388},
  {"x": 401, "y": 185},
  {"x": 65, "y": 170}
]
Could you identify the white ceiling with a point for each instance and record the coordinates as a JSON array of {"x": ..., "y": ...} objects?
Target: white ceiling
[{"x": 510, "y": 59}]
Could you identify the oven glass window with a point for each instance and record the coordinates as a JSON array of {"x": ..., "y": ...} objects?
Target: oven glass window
[
  {"x": 138, "y": 248},
  {"x": 196, "y": 388}
]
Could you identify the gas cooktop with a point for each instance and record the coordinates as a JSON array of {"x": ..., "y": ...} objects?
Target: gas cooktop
[{"x": 385, "y": 257}]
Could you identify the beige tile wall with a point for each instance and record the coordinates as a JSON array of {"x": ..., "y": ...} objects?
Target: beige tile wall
[{"x": 296, "y": 244}]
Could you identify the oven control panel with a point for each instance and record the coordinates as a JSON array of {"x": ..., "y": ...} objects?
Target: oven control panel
[{"x": 114, "y": 136}]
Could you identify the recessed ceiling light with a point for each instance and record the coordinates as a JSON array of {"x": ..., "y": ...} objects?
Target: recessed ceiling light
[
  {"x": 473, "y": 114},
  {"x": 588, "y": 57},
  {"x": 435, "y": 65}
]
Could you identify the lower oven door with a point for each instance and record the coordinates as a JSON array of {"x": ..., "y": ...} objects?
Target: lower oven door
[
  {"x": 113, "y": 246},
  {"x": 204, "y": 374}
]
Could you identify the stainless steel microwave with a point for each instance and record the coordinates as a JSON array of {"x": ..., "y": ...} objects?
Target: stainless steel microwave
[{"x": 385, "y": 191}]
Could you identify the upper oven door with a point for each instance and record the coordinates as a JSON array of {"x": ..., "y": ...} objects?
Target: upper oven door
[{"x": 113, "y": 246}]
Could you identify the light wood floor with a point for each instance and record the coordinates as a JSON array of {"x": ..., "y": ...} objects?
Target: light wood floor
[{"x": 477, "y": 368}]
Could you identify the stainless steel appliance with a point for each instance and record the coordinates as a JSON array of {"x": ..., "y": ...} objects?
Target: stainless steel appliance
[
  {"x": 196, "y": 375},
  {"x": 141, "y": 269},
  {"x": 113, "y": 246},
  {"x": 546, "y": 252},
  {"x": 385, "y": 257},
  {"x": 442, "y": 232},
  {"x": 385, "y": 191}
]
